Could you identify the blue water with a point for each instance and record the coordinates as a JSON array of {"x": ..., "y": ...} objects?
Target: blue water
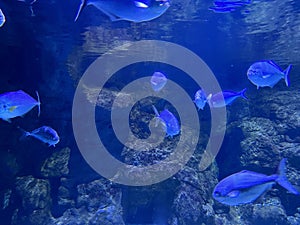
[{"x": 41, "y": 48}]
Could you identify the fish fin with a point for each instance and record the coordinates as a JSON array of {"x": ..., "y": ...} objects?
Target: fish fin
[
  {"x": 155, "y": 111},
  {"x": 266, "y": 76},
  {"x": 82, "y": 5},
  {"x": 242, "y": 93},
  {"x": 233, "y": 194},
  {"x": 111, "y": 16},
  {"x": 39, "y": 103},
  {"x": 7, "y": 119},
  {"x": 282, "y": 179},
  {"x": 24, "y": 133},
  {"x": 208, "y": 98},
  {"x": 157, "y": 119},
  {"x": 12, "y": 108},
  {"x": 286, "y": 75},
  {"x": 273, "y": 64}
]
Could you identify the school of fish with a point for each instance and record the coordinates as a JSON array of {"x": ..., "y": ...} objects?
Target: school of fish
[{"x": 237, "y": 189}]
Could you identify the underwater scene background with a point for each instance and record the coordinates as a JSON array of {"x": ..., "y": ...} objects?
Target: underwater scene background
[{"x": 42, "y": 49}]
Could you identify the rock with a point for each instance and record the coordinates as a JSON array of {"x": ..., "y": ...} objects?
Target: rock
[
  {"x": 36, "y": 201},
  {"x": 57, "y": 164},
  {"x": 98, "y": 202},
  {"x": 35, "y": 193}
]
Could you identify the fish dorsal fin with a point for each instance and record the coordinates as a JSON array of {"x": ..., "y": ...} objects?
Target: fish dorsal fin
[
  {"x": 273, "y": 64},
  {"x": 82, "y": 5},
  {"x": 155, "y": 111},
  {"x": 141, "y": 4}
]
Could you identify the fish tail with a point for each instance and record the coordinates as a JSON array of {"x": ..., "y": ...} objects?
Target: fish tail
[
  {"x": 39, "y": 103},
  {"x": 286, "y": 75},
  {"x": 82, "y": 5},
  {"x": 155, "y": 111},
  {"x": 156, "y": 114},
  {"x": 242, "y": 93},
  {"x": 208, "y": 100},
  {"x": 282, "y": 179}
]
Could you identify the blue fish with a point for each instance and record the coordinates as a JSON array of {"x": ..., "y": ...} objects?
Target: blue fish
[
  {"x": 158, "y": 81},
  {"x": 17, "y": 103},
  {"x": 247, "y": 186},
  {"x": 45, "y": 134},
  {"x": 169, "y": 121},
  {"x": 2, "y": 18},
  {"x": 130, "y": 10},
  {"x": 223, "y": 6},
  {"x": 215, "y": 100},
  {"x": 200, "y": 99},
  {"x": 267, "y": 74}
]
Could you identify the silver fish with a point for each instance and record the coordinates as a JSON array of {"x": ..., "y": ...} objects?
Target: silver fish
[
  {"x": 158, "y": 81},
  {"x": 45, "y": 134},
  {"x": 200, "y": 99},
  {"x": 267, "y": 74},
  {"x": 17, "y": 103},
  {"x": 247, "y": 186}
]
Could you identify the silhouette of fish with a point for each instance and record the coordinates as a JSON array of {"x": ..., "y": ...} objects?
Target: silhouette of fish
[
  {"x": 17, "y": 103},
  {"x": 45, "y": 134},
  {"x": 246, "y": 186},
  {"x": 130, "y": 10}
]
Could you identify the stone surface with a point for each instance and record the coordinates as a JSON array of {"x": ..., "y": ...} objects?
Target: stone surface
[{"x": 57, "y": 164}]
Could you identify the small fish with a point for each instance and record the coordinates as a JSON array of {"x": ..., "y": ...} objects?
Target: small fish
[
  {"x": 215, "y": 100},
  {"x": 17, "y": 103},
  {"x": 223, "y": 6},
  {"x": 267, "y": 74},
  {"x": 45, "y": 134},
  {"x": 200, "y": 99},
  {"x": 158, "y": 81},
  {"x": 247, "y": 186},
  {"x": 169, "y": 121},
  {"x": 130, "y": 10},
  {"x": 2, "y": 18}
]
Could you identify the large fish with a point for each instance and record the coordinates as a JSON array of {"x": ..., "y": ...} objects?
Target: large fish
[
  {"x": 130, "y": 10},
  {"x": 169, "y": 121},
  {"x": 247, "y": 186},
  {"x": 216, "y": 100},
  {"x": 45, "y": 134},
  {"x": 267, "y": 74},
  {"x": 17, "y": 103}
]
